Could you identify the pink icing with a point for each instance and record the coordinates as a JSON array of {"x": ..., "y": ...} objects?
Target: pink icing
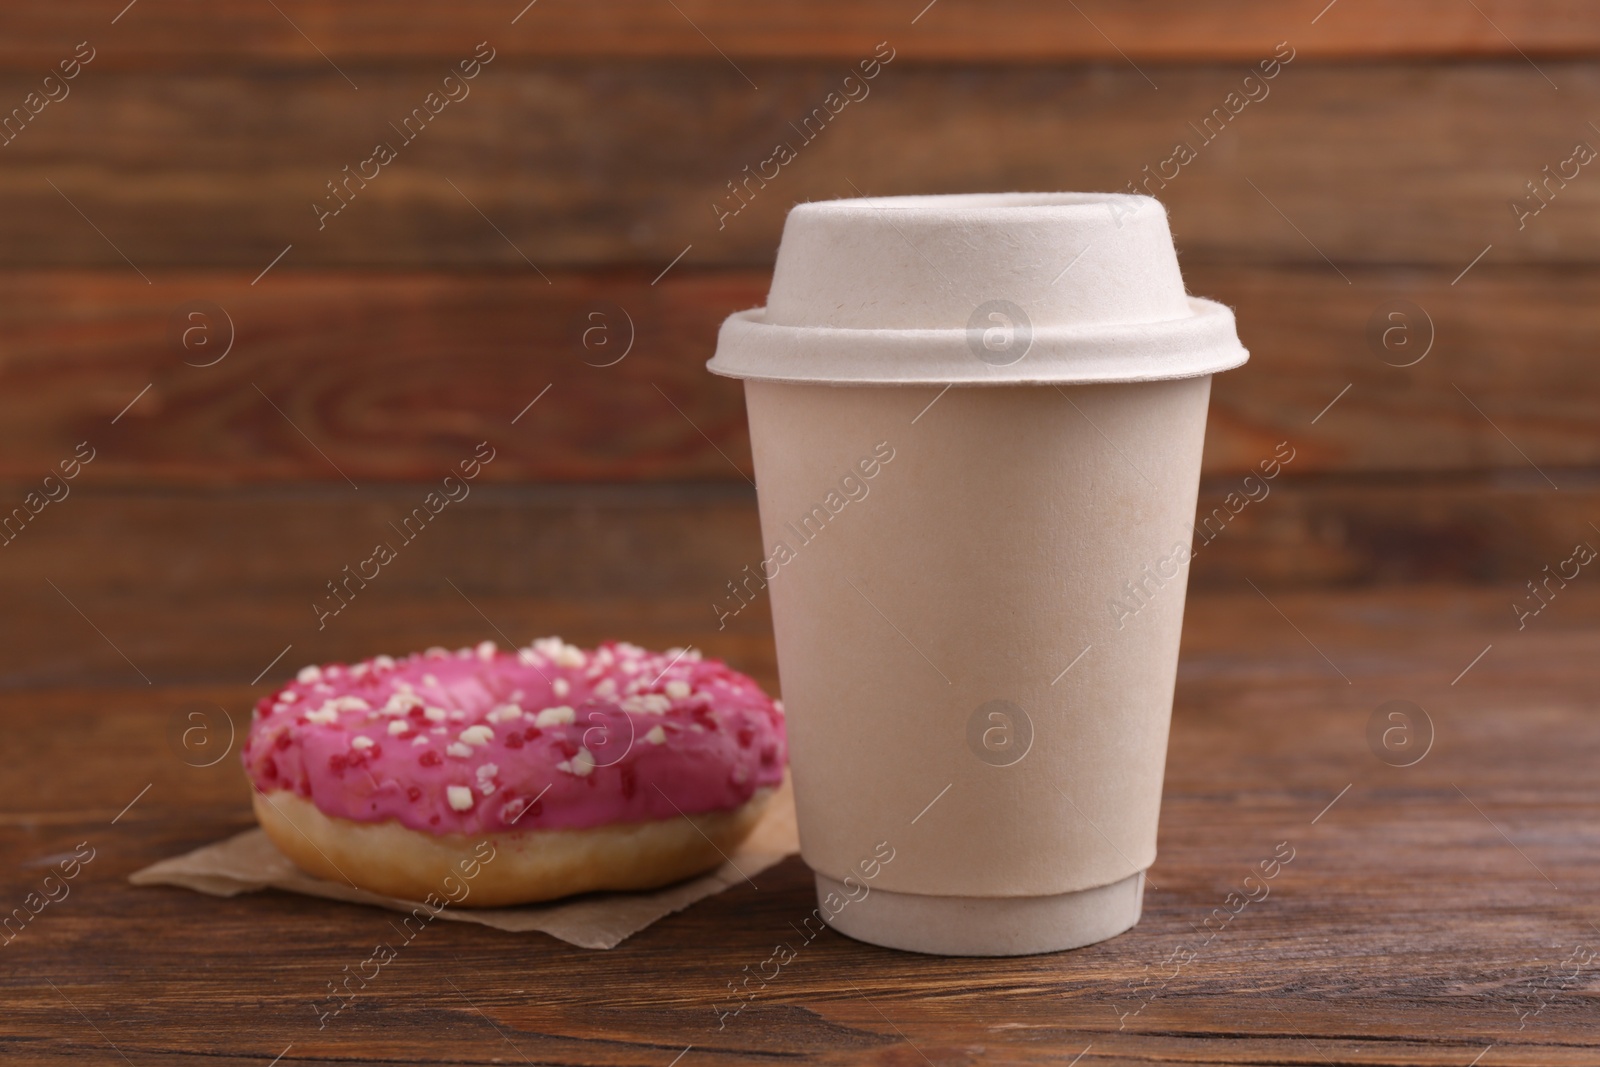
[{"x": 652, "y": 735}]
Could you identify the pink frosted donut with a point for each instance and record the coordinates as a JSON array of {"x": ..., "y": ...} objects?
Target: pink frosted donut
[{"x": 570, "y": 770}]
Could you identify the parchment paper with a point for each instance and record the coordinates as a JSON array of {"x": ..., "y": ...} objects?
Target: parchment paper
[{"x": 248, "y": 862}]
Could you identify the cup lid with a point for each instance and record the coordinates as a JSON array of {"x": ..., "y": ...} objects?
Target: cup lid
[{"x": 978, "y": 289}]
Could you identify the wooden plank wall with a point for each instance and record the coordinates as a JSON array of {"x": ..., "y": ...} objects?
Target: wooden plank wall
[{"x": 586, "y": 172}]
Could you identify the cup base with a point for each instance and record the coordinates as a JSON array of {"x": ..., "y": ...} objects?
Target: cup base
[{"x": 987, "y": 926}]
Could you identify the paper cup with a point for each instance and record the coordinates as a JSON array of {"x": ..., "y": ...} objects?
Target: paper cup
[{"x": 977, "y": 424}]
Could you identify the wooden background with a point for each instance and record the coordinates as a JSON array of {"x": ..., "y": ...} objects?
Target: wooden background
[
  {"x": 456, "y": 286},
  {"x": 578, "y": 179}
]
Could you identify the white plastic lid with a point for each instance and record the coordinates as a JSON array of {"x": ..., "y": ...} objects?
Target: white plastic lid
[{"x": 978, "y": 289}]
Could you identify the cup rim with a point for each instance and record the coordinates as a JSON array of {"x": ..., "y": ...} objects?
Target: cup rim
[
  {"x": 944, "y": 206},
  {"x": 1202, "y": 343}
]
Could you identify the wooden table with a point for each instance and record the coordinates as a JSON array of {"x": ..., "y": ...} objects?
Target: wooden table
[{"x": 1440, "y": 913}]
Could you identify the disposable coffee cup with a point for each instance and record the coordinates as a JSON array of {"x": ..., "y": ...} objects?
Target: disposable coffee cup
[{"x": 977, "y": 424}]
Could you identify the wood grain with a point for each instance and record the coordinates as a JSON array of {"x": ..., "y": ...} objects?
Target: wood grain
[
  {"x": 1414, "y": 924},
  {"x": 1428, "y": 909},
  {"x": 399, "y": 376},
  {"x": 119, "y": 586},
  {"x": 378, "y": 377},
  {"x": 357, "y": 33},
  {"x": 605, "y": 163}
]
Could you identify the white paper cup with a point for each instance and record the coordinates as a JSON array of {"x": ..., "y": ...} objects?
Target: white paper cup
[{"x": 977, "y": 424}]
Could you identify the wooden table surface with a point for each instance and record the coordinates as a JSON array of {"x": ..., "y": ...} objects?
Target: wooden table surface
[{"x": 1439, "y": 913}]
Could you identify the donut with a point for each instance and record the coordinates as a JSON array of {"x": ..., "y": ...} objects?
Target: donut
[{"x": 546, "y": 771}]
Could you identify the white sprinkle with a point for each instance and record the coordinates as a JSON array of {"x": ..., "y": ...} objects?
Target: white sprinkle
[
  {"x": 560, "y": 687},
  {"x": 580, "y": 765},
  {"x": 361, "y": 742},
  {"x": 383, "y": 662},
  {"x": 486, "y": 787},
  {"x": 656, "y": 736},
  {"x": 332, "y": 670},
  {"x": 647, "y": 704},
  {"x": 327, "y": 714},
  {"x": 428, "y": 679},
  {"x": 419, "y": 740},
  {"x": 359, "y": 670},
  {"x": 458, "y": 716},
  {"x": 486, "y": 650},
  {"x": 289, "y": 697},
  {"x": 398, "y": 727},
  {"x": 505, "y": 713},
  {"x": 458, "y": 750},
  {"x": 677, "y": 690},
  {"x": 607, "y": 689},
  {"x": 630, "y": 666},
  {"x": 488, "y": 770},
  {"x": 435, "y": 714},
  {"x": 309, "y": 674},
  {"x": 563, "y": 654},
  {"x": 477, "y": 735},
  {"x": 556, "y": 716},
  {"x": 460, "y": 797},
  {"x": 436, "y": 652}
]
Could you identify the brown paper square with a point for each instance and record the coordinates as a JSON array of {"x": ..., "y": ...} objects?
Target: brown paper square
[{"x": 248, "y": 862}]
